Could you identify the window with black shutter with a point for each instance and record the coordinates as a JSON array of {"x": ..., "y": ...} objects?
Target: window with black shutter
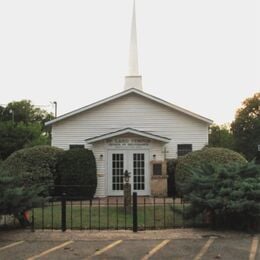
[
  {"x": 77, "y": 146},
  {"x": 183, "y": 149}
]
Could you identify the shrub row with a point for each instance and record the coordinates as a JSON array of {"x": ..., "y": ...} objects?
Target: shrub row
[{"x": 46, "y": 165}]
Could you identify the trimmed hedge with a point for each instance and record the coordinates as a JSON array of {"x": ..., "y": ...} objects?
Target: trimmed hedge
[
  {"x": 197, "y": 159},
  {"x": 35, "y": 165},
  {"x": 77, "y": 167}
]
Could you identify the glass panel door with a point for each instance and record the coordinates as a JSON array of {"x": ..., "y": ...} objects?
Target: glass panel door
[
  {"x": 117, "y": 171},
  {"x": 138, "y": 171},
  {"x": 136, "y": 163}
]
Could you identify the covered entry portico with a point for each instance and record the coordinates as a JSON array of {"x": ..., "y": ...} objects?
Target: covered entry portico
[{"x": 124, "y": 150}]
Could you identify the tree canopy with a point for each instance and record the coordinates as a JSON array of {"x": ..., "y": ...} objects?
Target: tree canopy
[
  {"x": 24, "y": 112},
  {"x": 246, "y": 127},
  {"x": 22, "y": 125},
  {"x": 221, "y": 136}
]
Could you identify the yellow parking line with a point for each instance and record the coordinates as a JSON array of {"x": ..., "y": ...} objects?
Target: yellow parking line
[
  {"x": 253, "y": 250},
  {"x": 103, "y": 250},
  {"x": 156, "y": 249},
  {"x": 11, "y": 245},
  {"x": 50, "y": 250},
  {"x": 204, "y": 249}
]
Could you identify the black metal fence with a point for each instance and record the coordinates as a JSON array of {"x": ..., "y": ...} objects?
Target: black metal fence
[
  {"x": 77, "y": 213},
  {"x": 110, "y": 213}
]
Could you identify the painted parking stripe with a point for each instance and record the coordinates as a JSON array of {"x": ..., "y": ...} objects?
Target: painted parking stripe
[
  {"x": 205, "y": 248},
  {"x": 11, "y": 245},
  {"x": 254, "y": 246},
  {"x": 156, "y": 249},
  {"x": 50, "y": 250},
  {"x": 103, "y": 250}
]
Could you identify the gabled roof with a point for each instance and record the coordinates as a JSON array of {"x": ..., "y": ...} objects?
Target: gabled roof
[
  {"x": 127, "y": 131},
  {"x": 124, "y": 93}
]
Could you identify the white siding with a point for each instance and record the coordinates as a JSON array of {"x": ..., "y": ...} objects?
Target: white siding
[
  {"x": 99, "y": 152},
  {"x": 136, "y": 112}
]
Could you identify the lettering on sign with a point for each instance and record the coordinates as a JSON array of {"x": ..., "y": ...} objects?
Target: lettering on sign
[{"x": 125, "y": 142}]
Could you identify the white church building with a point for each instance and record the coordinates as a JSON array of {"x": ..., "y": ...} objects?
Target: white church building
[{"x": 131, "y": 131}]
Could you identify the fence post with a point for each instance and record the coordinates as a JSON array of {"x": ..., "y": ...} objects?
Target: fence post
[
  {"x": 135, "y": 220},
  {"x": 63, "y": 212},
  {"x": 32, "y": 223}
]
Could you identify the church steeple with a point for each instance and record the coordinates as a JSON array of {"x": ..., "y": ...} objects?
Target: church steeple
[{"x": 133, "y": 79}]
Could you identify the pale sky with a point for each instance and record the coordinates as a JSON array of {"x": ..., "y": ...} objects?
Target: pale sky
[{"x": 202, "y": 55}]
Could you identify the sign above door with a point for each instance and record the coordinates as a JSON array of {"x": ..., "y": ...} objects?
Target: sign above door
[{"x": 128, "y": 142}]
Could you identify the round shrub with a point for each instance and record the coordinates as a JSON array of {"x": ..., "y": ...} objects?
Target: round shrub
[
  {"x": 34, "y": 165},
  {"x": 77, "y": 167},
  {"x": 197, "y": 159}
]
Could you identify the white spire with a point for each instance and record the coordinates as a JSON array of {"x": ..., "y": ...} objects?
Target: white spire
[
  {"x": 133, "y": 53},
  {"x": 133, "y": 79}
]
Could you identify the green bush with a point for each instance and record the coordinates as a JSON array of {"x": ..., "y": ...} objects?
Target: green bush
[
  {"x": 35, "y": 165},
  {"x": 199, "y": 158},
  {"x": 77, "y": 167},
  {"x": 16, "y": 198},
  {"x": 227, "y": 197}
]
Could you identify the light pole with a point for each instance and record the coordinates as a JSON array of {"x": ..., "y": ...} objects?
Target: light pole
[
  {"x": 11, "y": 111},
  {"x": 55, "y": 108}
]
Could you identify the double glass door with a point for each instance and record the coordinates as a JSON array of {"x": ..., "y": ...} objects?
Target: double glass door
[{"x": 133, "y": 161}]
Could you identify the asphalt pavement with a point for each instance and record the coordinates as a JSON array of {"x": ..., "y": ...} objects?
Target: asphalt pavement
[{"x": 195, "y": 246}]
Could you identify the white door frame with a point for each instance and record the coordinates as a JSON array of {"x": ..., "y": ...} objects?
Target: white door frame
[{"x": 128, "y": 165}]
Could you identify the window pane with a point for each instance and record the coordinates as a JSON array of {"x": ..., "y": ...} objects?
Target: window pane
[{"x": 183, "y": 149}]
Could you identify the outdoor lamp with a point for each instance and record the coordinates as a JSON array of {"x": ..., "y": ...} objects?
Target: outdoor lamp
[{"x": 126, "y": 176}]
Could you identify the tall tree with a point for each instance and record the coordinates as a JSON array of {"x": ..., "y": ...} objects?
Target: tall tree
[
  {"x": 221, "y": 136},
  {"x": 22, "y": 125},
  {"x": 246, "y": 127},
  {"x": 24, "y": 111}
]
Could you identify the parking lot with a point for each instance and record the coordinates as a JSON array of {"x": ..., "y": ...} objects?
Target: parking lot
[{"x": 139, "y": 246}]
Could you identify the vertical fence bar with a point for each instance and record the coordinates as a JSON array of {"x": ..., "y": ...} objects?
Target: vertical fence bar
[
  {"x": 164, "y": 224},
  {"x": 99, "y": 214},
  {"x": 52, "y": 214},
  {"x": 107, "y": 212},
  {"x": 173, "y": 212},
  {"x": 63, "y": 213},
  {"x": 135, "y": 220},
  {"x": 32, "y": 227},
  {"x": 125, "y": 215},
  {"x": 117, "y": 213},
  {"x": 144, "y": 213},
  {"x": 90, "y": 206},
  {"x": 154, "y": 224},
  {"x": 71, "y": 219},
  {"x": 80, "y": 214},
  {"x": 183, "y": 214},
  {"x": 43, "y": 216}
]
